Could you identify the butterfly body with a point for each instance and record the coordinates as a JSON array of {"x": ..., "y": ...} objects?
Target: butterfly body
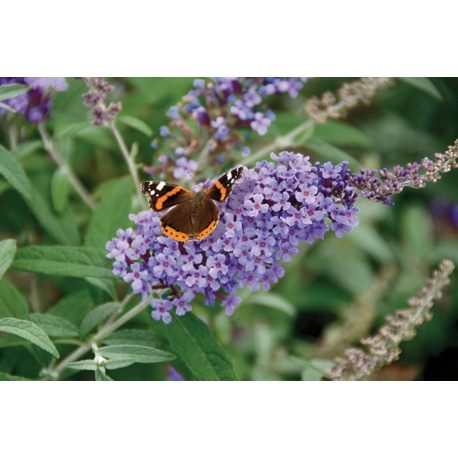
[{"x": 191, "y": 216}]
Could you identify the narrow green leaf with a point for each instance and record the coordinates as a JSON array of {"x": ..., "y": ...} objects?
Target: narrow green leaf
[
  {"x": 417, "y": 228},
  {"x": 30, "y": 332},
  {"x": 85, "y": 365},
  {"x": 7, "y": 108},
  {"x": 8, "y": 91},
  {"x": 54, "y": 326},
  {"x": 64, "y": 260},
  {"x": 7, "y": 250},
  {"x": 343, "y": 134},
  {"x": 104, "y": 284},
  {"x": 14, "y": 174},
  {"x": 367, "y": 238},
  {"x": 136, "y": 123},
  {"x": 196, "y": 345},
  {"x": 315, "y": 369},
  {"x": 119, "y": 363},
  {"x": 71, "y": 130},
  {"x": 27, "y": 148},
  {"x": 274, "y": 301},
  {"x": 60, "y": 189},
  {"x": 12, "y": 304},
  {"x": 73, "y": 307},
  {"x": 111, "y": 214},
  {"x": 12, "y": 378},
  {"x": 101, "y": 377},
  {"x": 98, "y": 316},
  {"x": 51, "y": 222},
  {"x": 135, "y": 337},
  {"x": 326, "y": 152},
  {"x": 140, "y": 354},
  {"x": 425, "y": 85}
]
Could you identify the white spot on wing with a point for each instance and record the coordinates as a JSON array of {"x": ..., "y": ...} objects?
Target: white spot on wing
[{"x": 160, "y": 185}]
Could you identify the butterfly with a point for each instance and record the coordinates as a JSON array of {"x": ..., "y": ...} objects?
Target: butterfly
[{"x": 192, "y": 216}]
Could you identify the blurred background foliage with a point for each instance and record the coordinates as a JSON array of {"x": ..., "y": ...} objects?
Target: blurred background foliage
[{"x": 334, "y": 292}]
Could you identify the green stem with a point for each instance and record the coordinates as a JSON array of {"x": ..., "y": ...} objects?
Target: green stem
[
  {"x": 55, "y": 372},
  {"x": 278, "y": 143},
  {"x": 105, "y": 332},
  {"x": 130, "y": 163},
  {"x": 61, "y": 162}
]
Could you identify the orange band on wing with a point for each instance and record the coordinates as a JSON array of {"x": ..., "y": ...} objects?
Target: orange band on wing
[
  {"x": 208, "y": 231},
  {"x": 221, "y": 189},
  {"x": 160, "y": 201},
  {"x": 174, "y": 234}
]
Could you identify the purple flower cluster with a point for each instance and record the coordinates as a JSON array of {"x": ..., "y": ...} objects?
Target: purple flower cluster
[
  {"x": 270, "y": 211},
  {"x": 35, "y": 104},
  {"x": 95, "y": 99},
  {"x": 221, "y": 108}
]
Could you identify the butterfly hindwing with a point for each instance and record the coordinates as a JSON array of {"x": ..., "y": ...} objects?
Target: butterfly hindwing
[
  {"x": 223, "y": 185},
  {"x": 162, "y": 195}
]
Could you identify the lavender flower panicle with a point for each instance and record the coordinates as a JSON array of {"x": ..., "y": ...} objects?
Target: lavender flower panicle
[
  {"x": 221, "y": 108},
  {"x": 95, "y": 99},
  {"x": 351, "y": 95},
  {"x": 35, "y": 104},
  {"x": 383, "y": 348},
  {"x": 380, "y": 185},
  {"x": 270, "y": 211}
]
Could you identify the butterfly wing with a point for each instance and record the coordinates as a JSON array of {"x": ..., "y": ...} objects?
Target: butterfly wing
[
  {"x": 162, "y": 195},
  {"x": 178, "y": 224},
  {"x": 223, "y": 185}
]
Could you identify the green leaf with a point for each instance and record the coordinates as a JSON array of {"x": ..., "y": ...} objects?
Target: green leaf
[
  {"x": 12, "y": 304},
  {"x": 326, "y": 152},
  {"x": 72, "y": 130},
  {"x": 64, "y": 260},
  {"x": 12, "y": 378},
  {"x": 98, "y": 316},
  {"x": 8, "y": 91},
  {"x": 274, "y": 301},
  {"x": 135, "y": 337},
  {"x": 136, "y": 123},
  {"x": 367, "y": 238},
  {"x": 425, "y": 85},
  {"x": 14, "y": 174},
  {"x": 7, "y": 250},
  {"x": 85, "y": 365},
  {"x": 343, "y": 134},
  {"x": 137, "y": 353},
  {"x": 54, "y": 326},
  {"x": 73, "y": 307},
  {"x": 30, "y": 332},
  {"x": 104, "y": 284},
  {"x": 196, "y": 345},
  {"x": 101, "y": 377},
  {"x": 7, "y": 108},
  {"x": 119, "y": 363},
  {"x": 50, "y": 221},
  {"x": 28, "y": 148},
  {"x": 111, "y": 214},
  {"x": 418, "y": 231},
  {"x": 314, "y": 370},
  {"x": 60, "y": 189}
]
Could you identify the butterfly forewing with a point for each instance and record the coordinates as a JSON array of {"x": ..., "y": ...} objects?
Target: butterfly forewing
[
  {"x": 162, "y": 195},
  {"x": 223, "y": 186}
]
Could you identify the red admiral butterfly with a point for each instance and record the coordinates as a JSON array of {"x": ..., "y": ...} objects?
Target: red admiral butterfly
[{"x": 194, "y": 216}]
